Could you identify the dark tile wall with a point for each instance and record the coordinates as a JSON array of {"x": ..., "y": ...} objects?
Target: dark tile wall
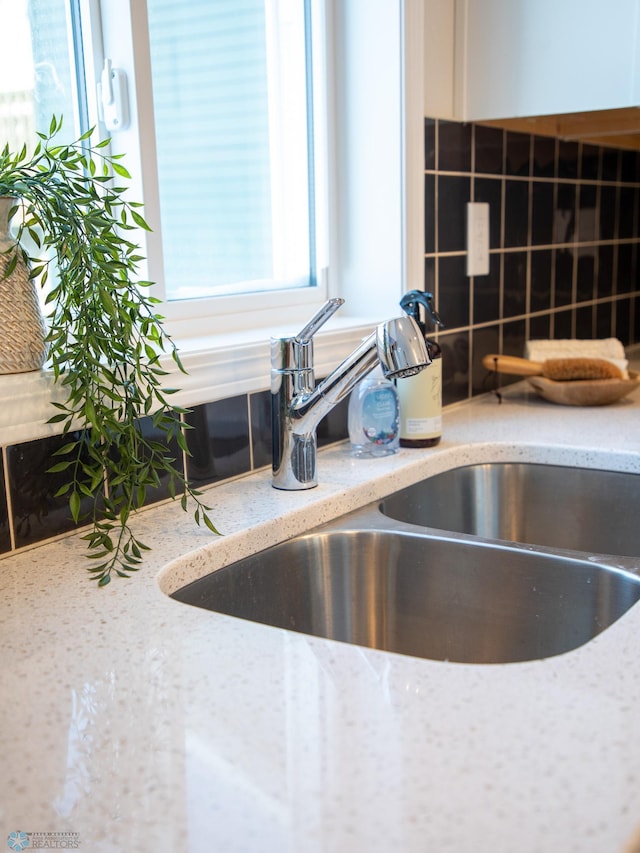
[
  {"x": 564, "y": 254},
  {"x": 564, "y": 244},
  {"x": 226, "y": 438},
  {"x": 37, "y": 512}
]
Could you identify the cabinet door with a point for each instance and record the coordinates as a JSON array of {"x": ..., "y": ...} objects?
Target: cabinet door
[
  {"x": 438, "y": 60},
  {"x": 538, "y": 57}
]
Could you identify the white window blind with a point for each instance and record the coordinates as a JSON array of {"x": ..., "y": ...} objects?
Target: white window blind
[
  {"x": 37, "y": 71},
  {"x": 230, "y": 89}
]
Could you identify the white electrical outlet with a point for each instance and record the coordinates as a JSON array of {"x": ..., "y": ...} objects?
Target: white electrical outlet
[{"x": 477, "y": 238}]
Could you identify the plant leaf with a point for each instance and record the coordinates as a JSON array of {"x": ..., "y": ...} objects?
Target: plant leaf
[{"x": 74, "y": 506}]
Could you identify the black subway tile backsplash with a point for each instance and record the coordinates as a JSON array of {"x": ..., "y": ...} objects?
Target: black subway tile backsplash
[
  {"x": 540, "y": 326},
  {"x": 564, "y": 254},
  {"x": 218, "y": 440},
  {"x": 568, "y": 159},
  {"x": 453, "y": 291},
  {"x": 518, "y": 154},
  {"x": 585, "y": 276},
  {"x": 260, "y": 415},
  {"x": 630, "y": 166},
  {"x": 540, "y": 291},
  {"x": 563, "y": 324},
  {"x": 37, "y": 513},
  {"x": 565, "y": 230},
  {"x": 564, "y": 220},
  {"x": 513, "y": 337},
  {"x": 430, "y": 213},
  {"x": 544, "y": 157},
  {"x": 486, "y": 293},
  {"x": 489, "y": 146},
  {"x": 514, "y": 302},
  {"x": 542, "y": 213},
  {"x": 625, "y": 282},
  {"x": 563, "y": 277},
  {"x": 605, "y": 283},
  {"x": 455, "y": 366},
  {"x": 485, "y": 340},
  {"x": 516, "y": 213},
  {"x": 590, "y": 163},
  {"x": 610, "y": 164},
  {"x": 453, "y": 195},
  {"x": 603, "y": 319},
  {"x": 5, "y": 534},
  {"x": 627, "y": 212},
  {"x": 584, "y": 322},
  {"x": 623, "y": 320},
  {"x": 430, "y": 143},
  {"x": 334, "y": 426},
  {"x": 430, "y": 275},
  {"x": 454, "y": 146},
  {"x": 608, "y": 212},
  {"x": 587, "y": 207}
]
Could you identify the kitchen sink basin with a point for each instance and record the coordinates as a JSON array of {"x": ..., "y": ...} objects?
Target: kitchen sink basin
[
  {"x": 421, "y": 594},
  {"x": 579, "y": 509}
]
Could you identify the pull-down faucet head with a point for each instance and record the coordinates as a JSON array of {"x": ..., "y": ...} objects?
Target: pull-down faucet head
[
  {"x": 298, "y": 404},
  {"x": 400, "y": 347}
]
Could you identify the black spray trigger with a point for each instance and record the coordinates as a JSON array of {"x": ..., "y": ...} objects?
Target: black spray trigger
[{"x": 411, "y": 303}]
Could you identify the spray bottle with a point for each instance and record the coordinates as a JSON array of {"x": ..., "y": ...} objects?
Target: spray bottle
[{"x": 420, "y": 396}]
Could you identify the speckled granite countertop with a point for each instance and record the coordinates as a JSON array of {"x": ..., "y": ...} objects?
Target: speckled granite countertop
[{"x": 142, "y": 724}]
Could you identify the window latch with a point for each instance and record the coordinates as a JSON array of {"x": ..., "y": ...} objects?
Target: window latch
[{"x": 113, "y": 97}]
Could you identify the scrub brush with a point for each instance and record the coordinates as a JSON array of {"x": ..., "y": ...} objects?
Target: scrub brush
[{"x": 558, "y": 369}]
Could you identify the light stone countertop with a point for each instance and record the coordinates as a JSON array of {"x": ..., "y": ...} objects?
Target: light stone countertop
[{"x": 143, "y": 724}]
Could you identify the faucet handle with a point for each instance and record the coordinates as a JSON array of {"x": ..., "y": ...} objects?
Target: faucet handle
[
  {"x": 319, "y": 319},
  {"x": 296, "y": 354}
]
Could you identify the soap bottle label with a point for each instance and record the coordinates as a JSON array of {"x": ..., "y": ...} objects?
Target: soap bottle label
[
  {"x": 374, "y": 416},
  {"x": 380, "y": 415},
  {"x": 420, "y": 399},
  {"x": 422, "y": 427}
]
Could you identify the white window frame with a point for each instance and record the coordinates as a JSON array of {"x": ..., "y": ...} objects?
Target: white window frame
[
  {"x": 375, "y": 198},
  {"x": 125, "y": 41}
]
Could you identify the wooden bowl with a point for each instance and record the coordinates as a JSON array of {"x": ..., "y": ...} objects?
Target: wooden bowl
[{"x": 584, "y": 392}]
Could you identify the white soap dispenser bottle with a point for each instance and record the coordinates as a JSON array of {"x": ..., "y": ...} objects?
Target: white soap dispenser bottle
[{"x": 420, "y": 396}]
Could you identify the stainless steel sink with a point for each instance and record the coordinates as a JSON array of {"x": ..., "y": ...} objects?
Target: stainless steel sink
[
  {"x": 421, "y": 594},
  {"x": 489, "y": 563},
  {"x": 560, "y": 507}
]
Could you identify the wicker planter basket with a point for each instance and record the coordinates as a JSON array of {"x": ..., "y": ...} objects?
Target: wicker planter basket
[{"x": 22, "y": 327}]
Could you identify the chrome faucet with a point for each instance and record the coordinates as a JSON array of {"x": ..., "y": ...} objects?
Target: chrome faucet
[{"x": 298, "y": 404}]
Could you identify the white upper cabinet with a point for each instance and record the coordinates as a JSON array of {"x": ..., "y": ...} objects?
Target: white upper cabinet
[
  {"x": 511, "y": 58},
  {"x": 438, "y": 61}
]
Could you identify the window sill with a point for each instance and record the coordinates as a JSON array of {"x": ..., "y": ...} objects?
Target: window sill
[{"x": 217, "y": 367}]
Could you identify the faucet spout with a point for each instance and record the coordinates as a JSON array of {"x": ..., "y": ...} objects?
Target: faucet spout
[
  {"x": 298, "y": 404},
  {"x": 308, "y": 410}
]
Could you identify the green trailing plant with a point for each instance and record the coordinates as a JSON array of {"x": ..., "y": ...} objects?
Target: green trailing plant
[{"x": 105, "y": 341}]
